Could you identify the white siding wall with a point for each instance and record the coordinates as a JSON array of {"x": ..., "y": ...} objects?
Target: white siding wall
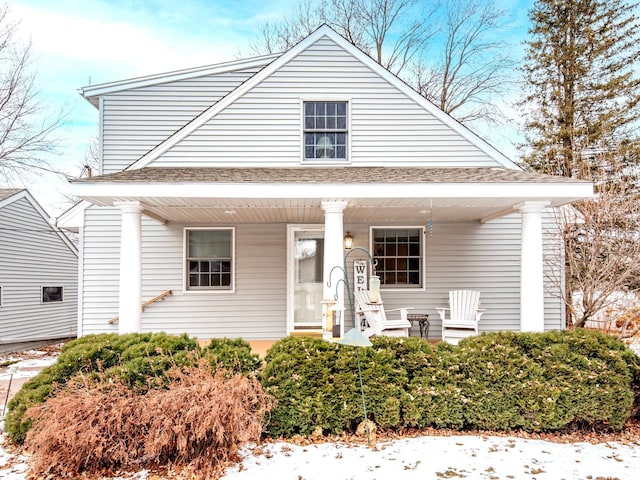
[
  {"x": 264, "y": 126},
  {"x": 485, "y": 257},
  {"x": 135, "y": 121},
  {"x": 474, "y": 256},
  {"x": 257, "y": 309},
  {"x": 32, "y": 255}
]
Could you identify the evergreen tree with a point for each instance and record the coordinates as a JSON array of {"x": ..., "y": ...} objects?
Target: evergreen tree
[{"x": 583, "y": 97}]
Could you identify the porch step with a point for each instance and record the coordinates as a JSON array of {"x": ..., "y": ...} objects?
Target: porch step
[{"x": 306, "y": 334}]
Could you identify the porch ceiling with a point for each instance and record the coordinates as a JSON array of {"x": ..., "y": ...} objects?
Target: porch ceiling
[
  {"x": 291, "y": 210},
  {"x": 374, "y": 194}
]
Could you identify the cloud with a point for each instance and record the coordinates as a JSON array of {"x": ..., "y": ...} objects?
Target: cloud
[{"x": 113, "y": 48}]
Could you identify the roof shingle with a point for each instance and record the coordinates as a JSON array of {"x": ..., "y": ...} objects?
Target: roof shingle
[{"x": 329, "y": 175}]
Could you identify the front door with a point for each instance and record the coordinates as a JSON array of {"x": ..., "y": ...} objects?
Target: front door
[{"x": 306, "y": 255}]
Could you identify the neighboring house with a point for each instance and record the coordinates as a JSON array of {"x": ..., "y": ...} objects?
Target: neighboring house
[
  {"x": 38, "y": 274},
  {"x": 233, "y": 186}
]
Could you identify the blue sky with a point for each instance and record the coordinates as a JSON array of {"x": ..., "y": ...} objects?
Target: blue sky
[{"x": 80, "y": 42}]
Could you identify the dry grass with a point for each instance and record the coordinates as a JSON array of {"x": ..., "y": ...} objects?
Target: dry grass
[{"x": 197, "y": 424}]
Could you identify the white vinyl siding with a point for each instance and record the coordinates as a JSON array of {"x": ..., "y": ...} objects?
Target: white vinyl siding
[
  {"x": 474, "y": 256},
  {"x": 264, "y": 126},
  {"x": 255, "y": 311},
  {"x": 32, "y": 255},
  {"x": 134, "y": 121},
  {"x": 483, "y": 257}
]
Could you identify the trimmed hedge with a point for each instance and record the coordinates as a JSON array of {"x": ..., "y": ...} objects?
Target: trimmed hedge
[
  {"x": 233, "y": 355},
  {"x": 139, "y": 360},
  {"x": 498, "y": 381}
]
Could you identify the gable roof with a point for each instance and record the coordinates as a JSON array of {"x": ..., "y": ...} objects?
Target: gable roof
[
  {"x": 8, "y": 192},
  {"x": 272, "y": 64},
  {"x": 11, "y": 195}
]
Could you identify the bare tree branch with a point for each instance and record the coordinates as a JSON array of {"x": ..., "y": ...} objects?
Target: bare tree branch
[
  {"x": 473, "y": 66},
  {"x": 602, "y": 251},
  {"x": 23, "y": 137}
]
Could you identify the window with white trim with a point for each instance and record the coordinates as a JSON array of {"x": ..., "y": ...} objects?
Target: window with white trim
[
  {"x": 399, "y": 253},
  {"x": 325, "y": 130},
  {"x": 209, "y": 258},
  {"x": 52, "y": 294}
]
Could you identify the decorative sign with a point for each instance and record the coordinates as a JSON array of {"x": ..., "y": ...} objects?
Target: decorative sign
[{"x": 359, "y": 275}]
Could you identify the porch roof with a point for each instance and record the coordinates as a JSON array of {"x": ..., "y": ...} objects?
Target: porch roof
[
  {"x": 346, "y": 174},
  {"x": 379, "y": 194}
]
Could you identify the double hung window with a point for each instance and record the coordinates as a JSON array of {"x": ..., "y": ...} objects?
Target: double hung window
[
  {"x": 325, "y": 130},
  {"x": 209, "y": 259}
]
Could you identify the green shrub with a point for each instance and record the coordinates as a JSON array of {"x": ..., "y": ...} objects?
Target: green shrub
[
  {"x": 299, "y": 374},
  {"x": 498, "y": 381},
  {"x": 435, "y": 396},
  {"x": 233, "y": 355},
  {"x": 547, "y": 381}
]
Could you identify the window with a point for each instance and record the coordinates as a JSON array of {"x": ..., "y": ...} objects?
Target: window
[
  {"x": 325, "y": 130},
  {"x": 51, "y": 294},
  {"x": 399, "y": 256},
  {"x": 209, "y": 261},
  {"x": 0, "y": 296}
]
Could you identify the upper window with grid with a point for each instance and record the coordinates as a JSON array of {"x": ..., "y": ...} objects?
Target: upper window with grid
[{"x": 325, "y": 130}]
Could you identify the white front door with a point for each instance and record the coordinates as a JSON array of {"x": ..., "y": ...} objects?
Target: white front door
[{"x": 306, "y": 253}]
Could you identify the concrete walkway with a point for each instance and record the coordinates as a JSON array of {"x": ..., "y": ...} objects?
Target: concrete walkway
[{"x": 18, "y": 367}]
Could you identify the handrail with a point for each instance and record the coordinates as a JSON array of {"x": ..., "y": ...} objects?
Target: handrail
[{"x": 145, "y": 304}]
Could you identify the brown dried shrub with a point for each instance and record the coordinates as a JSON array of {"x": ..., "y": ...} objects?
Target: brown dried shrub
[{"x": 198, "y": 423}]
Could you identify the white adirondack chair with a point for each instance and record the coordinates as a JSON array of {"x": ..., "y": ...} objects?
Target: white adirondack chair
[
  {"x": 373, "y": 318},
  {"x": 464, "y": 315}
]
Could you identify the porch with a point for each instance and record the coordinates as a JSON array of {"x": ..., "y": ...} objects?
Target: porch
[{"x": 473, "y": 215}]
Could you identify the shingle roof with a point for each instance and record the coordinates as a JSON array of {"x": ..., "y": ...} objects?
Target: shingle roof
[
  {"x": 329, "y": 175},
  {"x": 8, "y": 192}
]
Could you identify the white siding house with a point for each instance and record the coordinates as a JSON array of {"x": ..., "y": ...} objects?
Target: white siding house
[
  {"x": 38, "y": 274},
  {"x": 233, "y": 186}
]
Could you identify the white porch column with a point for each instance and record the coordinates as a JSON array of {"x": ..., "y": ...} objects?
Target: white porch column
[
  {"x": 333, "y": 253},
  {"x": 531, "y": 268},
  {"x": 129, "y": 308}
]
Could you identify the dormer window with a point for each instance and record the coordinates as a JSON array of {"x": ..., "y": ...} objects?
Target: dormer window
[{"x": 325, "y": 131}]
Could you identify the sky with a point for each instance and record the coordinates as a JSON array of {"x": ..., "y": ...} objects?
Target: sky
[{"x": 76, "y": 43}]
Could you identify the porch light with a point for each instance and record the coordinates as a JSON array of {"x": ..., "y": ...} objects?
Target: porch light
[
  {"x": 324, "y": 147},
  {"x": 348, "y": 241}
]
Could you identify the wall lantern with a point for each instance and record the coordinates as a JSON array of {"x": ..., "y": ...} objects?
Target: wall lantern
[{"x": 348, "y": 241}]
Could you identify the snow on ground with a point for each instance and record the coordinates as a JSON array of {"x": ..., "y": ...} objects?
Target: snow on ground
[
  {"x": 429, "y": 457},
  {"x": 444, "y": 457}
]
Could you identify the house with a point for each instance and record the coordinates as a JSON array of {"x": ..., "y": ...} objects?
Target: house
[
  {"x": 233, "y": 186},
  {"x": 38, "y": 274}
]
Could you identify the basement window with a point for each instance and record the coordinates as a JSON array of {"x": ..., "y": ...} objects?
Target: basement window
[{"x": 52, "y": 294}]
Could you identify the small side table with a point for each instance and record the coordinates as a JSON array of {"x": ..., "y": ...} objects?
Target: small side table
[{"x": 423, "y": 323}]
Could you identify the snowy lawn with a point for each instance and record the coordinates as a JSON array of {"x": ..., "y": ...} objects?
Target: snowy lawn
[{"x": 428, "y": 457}]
